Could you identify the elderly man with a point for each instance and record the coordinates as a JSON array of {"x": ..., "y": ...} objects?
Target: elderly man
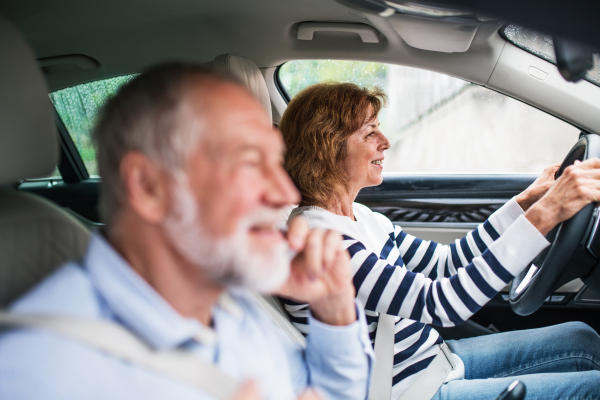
[{"x": 193, "y": 185}]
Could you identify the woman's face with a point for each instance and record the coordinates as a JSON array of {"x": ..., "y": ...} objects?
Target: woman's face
[{"x": 364, "y": 164}]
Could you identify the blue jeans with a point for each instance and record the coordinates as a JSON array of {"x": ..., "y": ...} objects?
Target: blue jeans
[{"x": 557, "y": 362}]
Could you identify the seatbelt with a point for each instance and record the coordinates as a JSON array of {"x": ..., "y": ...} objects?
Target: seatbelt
[
  {"x": 117, "y": 341},
  {"x": 381, "y": 384},
  {"x": 426, "y": 384},
  {"x": 269, "y": 304},
  {"x": 432, "y": 379}
]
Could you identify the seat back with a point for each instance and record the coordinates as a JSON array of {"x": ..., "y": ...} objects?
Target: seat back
[
  {"x": 36, "y": 236},
  {"x": 247, "y": 71}
]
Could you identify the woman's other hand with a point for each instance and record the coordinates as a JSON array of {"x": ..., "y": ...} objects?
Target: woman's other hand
[
  {"x": 538, "y": 188},
  {"x": 578, "y": 186}
]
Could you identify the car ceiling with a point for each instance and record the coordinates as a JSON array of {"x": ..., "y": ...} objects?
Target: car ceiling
[{"x": 126, "y": 36}]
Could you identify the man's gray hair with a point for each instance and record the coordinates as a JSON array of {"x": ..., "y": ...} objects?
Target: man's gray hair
[{"x": 151, "y": 115}]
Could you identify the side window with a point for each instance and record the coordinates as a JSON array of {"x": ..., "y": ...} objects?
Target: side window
[
  {"x": 440, "y": 124},
  {"x": 78, "y": 106}
]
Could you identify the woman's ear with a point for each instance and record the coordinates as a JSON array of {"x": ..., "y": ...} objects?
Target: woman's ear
[{"x": 146, "y": 186}]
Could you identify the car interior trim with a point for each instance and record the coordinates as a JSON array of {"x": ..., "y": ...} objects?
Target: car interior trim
[
  {"x": 575, "y": 103},
  {"x": 71, "y": 166}
]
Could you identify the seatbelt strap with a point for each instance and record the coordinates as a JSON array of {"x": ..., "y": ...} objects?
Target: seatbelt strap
[
  {"x": 117, "y": 341},
  {"x": 430, "y": 380},
  {"x": 381, "y": 384},
  {"x": 426, "y": 384},
  {"x": 269, "y": 304}
]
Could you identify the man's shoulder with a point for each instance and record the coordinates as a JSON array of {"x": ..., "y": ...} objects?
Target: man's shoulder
[
  {"x": 30, "y": 356},
  {"x": 68, "y": 291},
  {"x": 35, "y": 364}
]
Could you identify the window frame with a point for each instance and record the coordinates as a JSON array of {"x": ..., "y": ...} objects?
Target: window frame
[
  {"x": 287, "y": 98},
  {"x": 70, "y": 165}
]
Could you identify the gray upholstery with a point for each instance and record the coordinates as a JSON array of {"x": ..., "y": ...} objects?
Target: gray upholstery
[
  {"x": 28, "y": 143},
  {"x": 36, "y": 236},
  {"x": 246, "y": 70}
]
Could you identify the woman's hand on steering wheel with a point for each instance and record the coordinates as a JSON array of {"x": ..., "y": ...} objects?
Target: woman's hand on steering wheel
[
  {"x": 538, "y": 188},
  {"x": 578, "y": 186}
]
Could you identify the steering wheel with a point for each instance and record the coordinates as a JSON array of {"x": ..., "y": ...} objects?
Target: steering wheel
[{"x": 538, "y": 281}]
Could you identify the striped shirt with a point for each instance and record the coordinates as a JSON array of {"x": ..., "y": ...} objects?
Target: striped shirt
[{"x": 421, "y": 282}]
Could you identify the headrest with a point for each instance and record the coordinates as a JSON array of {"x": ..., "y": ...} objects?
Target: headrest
[
  {"x": 28, "y": 139},
  {"x": 247, "y": 71}
]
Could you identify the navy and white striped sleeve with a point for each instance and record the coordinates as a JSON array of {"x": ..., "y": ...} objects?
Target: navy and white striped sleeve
[
  {"x": 437, "y": 261},
  {"x": 395, "y": 290}
]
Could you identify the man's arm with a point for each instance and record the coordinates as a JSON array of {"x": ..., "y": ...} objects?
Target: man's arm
[{"x": 339, "y": 356}]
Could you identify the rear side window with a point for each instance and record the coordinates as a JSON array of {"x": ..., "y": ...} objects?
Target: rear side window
[
  {"x": 78, "y": 107},
  {"x": 440, "y": 124}
]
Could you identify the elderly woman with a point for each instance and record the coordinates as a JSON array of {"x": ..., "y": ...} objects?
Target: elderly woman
[{"x": 334, "y": 149}]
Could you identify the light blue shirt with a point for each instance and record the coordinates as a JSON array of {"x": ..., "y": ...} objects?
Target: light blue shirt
[{"x": 244, "y": 343}]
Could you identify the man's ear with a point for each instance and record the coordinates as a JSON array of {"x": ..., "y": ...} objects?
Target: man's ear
[{"x": 146, "y": 186}]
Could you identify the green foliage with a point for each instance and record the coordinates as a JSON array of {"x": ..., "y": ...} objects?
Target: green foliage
[
  {"x": 78, "y": 107},
  {"x": 297, "y": 75}
]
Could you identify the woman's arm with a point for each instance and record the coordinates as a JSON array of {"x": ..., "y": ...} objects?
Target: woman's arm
[
  {"x": 395, "y": 290},
  {"x": 437, "y": 261}
]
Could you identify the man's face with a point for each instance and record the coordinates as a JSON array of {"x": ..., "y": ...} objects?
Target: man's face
[{"x": 236, "y": 179}]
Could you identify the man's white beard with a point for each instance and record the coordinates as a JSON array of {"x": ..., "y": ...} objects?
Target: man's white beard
[{"x": 228, "y": 261}]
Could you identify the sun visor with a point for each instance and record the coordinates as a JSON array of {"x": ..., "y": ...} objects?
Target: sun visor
[
  {"x": 452, "y": 35},
  {"x": 426, "y": 25}
]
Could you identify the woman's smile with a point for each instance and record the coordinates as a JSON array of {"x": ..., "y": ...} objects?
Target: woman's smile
[{"x": 377, "y": 163}]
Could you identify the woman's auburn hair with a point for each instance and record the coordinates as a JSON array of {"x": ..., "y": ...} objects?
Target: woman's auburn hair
[{"x": 316, "y": 126}]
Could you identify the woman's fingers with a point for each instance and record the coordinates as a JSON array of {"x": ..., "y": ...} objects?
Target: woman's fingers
[
  {"x": 538, "y": 188},
  {"x": 592, "y": 163},
  {"x": 578, "y": 186},
  {"x": 549, "y": 172}
]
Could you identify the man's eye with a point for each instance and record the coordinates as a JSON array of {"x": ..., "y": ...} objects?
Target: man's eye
[{"x": 251, "y": 163}]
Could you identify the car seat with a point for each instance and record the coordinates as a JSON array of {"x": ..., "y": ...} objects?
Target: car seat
[
  {"x": 249, "y": 73},
  {"x": 36, "y": 236}
]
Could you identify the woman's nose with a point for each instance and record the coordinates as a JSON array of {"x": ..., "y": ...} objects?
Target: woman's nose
[{"x": 385, "y": 143}]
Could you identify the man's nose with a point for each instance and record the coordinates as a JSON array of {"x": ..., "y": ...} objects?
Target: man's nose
[{"x": 281, "y": 190}]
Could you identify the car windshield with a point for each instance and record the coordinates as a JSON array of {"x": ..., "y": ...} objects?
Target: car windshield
[{"x": 542, "y": 46}]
